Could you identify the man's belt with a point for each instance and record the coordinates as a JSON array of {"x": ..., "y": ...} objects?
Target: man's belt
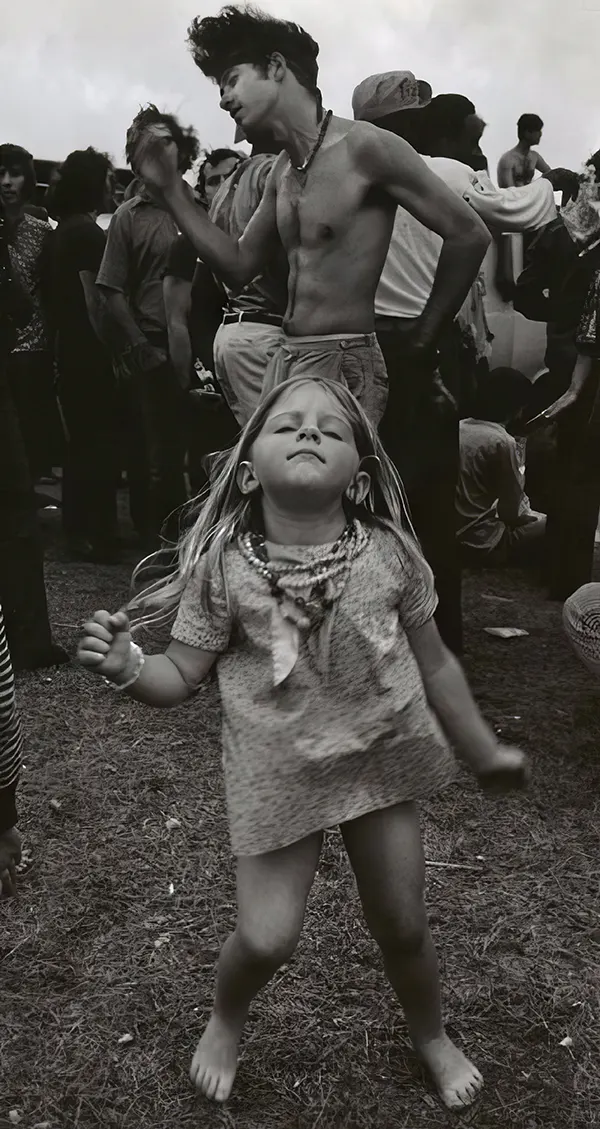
[{"x": 253, "y": 316}]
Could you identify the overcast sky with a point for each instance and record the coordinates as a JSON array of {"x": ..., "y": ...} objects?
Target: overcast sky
[{"x": 74, "y": 72}]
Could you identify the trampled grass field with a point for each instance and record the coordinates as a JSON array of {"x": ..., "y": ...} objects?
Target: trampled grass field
[{"x": 120, "y": 915}]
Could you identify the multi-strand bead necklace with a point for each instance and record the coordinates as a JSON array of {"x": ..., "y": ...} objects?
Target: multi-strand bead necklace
[{"x": 306, "y": 590}]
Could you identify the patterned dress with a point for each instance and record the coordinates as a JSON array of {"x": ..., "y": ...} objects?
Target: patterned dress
[
  {"x": 341, "y": 736},
  {"x": 27, "y": 251}
]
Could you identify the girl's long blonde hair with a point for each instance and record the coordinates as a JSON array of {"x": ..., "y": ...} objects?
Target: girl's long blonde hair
[{"x": 218, "y": 515}]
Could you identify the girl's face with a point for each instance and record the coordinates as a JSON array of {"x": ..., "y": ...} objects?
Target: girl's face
[{"x": 305, "y": 455}]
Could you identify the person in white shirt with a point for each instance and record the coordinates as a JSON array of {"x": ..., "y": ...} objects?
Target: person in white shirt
[{"x": 420, "y": 427}]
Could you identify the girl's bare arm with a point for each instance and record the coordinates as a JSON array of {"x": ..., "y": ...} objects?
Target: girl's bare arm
[
  {"x": 167, "y": 680},
  {"x": 451, "y": 700},
  {"x": 157, "y": 680}
]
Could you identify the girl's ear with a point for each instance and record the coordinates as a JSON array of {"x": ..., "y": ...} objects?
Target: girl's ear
[
  {"x": 246, "y": 479},
  {"x": 359, "y": 488}
]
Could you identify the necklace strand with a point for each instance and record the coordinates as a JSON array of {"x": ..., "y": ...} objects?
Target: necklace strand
[
  {"x": 286, "y": 578},
  {"x": 304, "y": 167}
]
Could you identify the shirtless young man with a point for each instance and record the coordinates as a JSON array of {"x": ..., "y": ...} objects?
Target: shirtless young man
[
  {"x": 518, "y": 166},
  {"x": 331, "y": 199}
]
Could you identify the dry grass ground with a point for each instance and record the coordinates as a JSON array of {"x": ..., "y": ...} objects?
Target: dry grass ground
[{"x": 119, "y": 919}]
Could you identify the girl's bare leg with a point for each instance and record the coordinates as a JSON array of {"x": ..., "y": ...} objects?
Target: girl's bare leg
[
  {"x": 386, "y": 854},
  {"x": 271, "y": 893}
]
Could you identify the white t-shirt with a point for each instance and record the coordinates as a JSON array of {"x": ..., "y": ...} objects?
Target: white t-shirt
[{"x": 407, "y": 277}]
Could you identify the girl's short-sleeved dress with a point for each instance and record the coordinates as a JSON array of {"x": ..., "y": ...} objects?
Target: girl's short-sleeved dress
[{"x": 325, "y": 746}]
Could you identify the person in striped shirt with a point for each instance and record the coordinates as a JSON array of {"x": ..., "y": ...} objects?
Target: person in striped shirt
[{"x": 11, "y": 746}]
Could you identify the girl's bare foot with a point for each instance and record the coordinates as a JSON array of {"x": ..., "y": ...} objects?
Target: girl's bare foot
[
  {"x": 458, "y": 1082},
  {"x": 214, "y": 1064}
]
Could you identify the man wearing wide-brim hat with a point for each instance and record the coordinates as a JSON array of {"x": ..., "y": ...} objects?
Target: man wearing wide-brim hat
[{"x": 331, "y": 200}]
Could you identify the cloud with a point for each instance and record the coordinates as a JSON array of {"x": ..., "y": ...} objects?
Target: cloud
[{"x": 77, "y": 71}]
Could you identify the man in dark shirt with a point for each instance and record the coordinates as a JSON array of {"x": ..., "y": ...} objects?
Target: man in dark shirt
[
  {"x": 193, "y": 299},
  {"x": 30, "y": 363},
  {"x": 194, "y": 306},
  {"x": 139, "y": 240},
  {"x": 22, "y": 589},
  {"x": 87, "y": 388},
  {"x": 250, "y": 329}
]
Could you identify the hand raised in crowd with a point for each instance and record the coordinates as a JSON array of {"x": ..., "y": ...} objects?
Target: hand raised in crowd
[
  {"x": 105, "y": 645},
  {"x": 10, "y": 857},
  {"x": 156, "y": 159}
]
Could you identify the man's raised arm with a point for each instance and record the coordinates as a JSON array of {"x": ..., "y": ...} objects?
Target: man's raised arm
[
  {"x": 236, "y": 262},
  {"x": 399, "y": 170}
]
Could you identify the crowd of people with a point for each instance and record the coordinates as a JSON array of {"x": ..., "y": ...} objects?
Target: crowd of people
[{"x": 299, "y": 343}]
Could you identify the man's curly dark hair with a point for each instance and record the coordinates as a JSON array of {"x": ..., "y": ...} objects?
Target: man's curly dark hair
[
  {"x": 80, "y": 185},
  {"x": 186, "y": 140},
  {"x": 210, "y": 160},
  {"x": 247, "y": 35}
]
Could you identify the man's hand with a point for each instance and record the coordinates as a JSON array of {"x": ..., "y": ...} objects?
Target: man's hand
[
  {"x": 105, "y": 646},
  {"x": 142, "y": 357},
  {"x": 156, "y": 159},
  {"x": 10, "y": 857},
  {"x": 560, "y": 406},
  {"x": 419, "y": 342},
  {"x": 565, "y": 181}
]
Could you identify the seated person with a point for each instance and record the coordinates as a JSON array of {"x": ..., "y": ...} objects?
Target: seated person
[{"x": 495, "y": 523}]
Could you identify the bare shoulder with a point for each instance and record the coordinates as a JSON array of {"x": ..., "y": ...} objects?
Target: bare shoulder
[
  {"x": 507, "y": 158},
  {"x": 382, "y": 155}
]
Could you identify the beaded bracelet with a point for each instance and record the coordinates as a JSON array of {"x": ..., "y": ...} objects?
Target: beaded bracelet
[{"x": 133, "y": 669}]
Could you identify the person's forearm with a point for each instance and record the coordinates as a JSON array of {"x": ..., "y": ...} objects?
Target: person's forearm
[
  {"x": 458, "y": 266},
  {"x": 221, "y": 253},
  {"x": 160, "y": 684},
  {"x": 583, "y": 367},
  {"x": 102, "y": 323},
  {"x": 180, "y": 353},
  {"x": 127, "y": 332},
  {"x": 527, "y": 208},
  {"x": 451, "y": 700}
]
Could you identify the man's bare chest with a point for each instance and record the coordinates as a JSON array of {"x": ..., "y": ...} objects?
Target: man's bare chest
[
  {"x": 319, "y": 209},
  {"x": 523, "y": 169}
]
